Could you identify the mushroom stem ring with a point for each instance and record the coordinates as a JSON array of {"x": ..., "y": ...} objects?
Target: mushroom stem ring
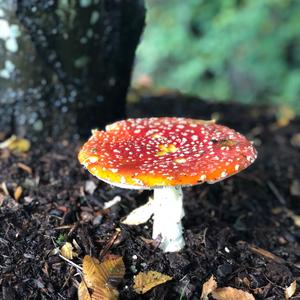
[{"x": 166, "y": 206}]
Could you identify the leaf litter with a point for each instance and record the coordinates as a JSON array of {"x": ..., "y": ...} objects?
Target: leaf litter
[
  {"x": 145, "y": 281},
  {"x": 97, "y": 277},
  {"x": 233, "y": 211}
]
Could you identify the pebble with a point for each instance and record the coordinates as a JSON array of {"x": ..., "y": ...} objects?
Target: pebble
[{"x": 90, "y": 187}]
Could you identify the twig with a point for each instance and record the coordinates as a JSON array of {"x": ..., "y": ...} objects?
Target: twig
[
  {"x": 63, "y": 227},
  {"x": 110, "y": 243},
  {"x": 266, "y": 254},
  {"x": 71, "y": 263},
  {"x": 275, "y": 191},
  {"x": 182, "y": 294}
]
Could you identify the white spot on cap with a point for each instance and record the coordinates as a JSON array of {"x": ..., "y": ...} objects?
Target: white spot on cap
[
  {"x": 91, "y": 159},
  {"x": 223, "y": 174},
  {"x": 202, "y": 177},
  {"x": 180, "y": 160}
]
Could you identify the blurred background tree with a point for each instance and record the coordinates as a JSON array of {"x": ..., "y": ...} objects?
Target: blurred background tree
[
  {"x": 65, "y": 66},
  {"x": 241, "y": 50}
]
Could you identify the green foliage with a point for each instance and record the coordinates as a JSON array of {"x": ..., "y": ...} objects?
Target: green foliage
[
  {"x": 244, "y": 50},
  {"x": 62, "y": 238}
]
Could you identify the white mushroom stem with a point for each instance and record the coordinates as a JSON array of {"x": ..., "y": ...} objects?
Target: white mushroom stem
[
  {"x": 167, "y": 210},
  {"x": 167, "y": 218}
]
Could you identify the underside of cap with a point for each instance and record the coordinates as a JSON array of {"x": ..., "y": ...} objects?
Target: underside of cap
[{"x": 156, "y": 152}]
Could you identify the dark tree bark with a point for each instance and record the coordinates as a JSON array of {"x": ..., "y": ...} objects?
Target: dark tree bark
[{"x": 65, "y": 65}]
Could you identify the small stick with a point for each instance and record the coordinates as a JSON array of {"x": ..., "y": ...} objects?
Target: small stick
[
  {"x": 71, "y": 263},
  {"x": 275, "y": 191},
  {"x": 109, "y": 243},
  {"x": 267, "y": 254}
]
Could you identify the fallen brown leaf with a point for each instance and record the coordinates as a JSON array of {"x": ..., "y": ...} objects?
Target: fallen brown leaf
[
  {"x": 145, "y": 281},
  {"x": 83, "y": 292},
  {"x": 97, "y": 293},
  {"x": 18, "y": 193},
  {"x": 290, "y": 290},
  {"x": 16, "y": 144},
  {"x": 208, "y": 287},
  {"x": 67, "y": 251},
  {"x": 229, "y": 293},
  {"x": 98, "y": 276}
]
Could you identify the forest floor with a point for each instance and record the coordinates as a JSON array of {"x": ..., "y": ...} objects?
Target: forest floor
[{"x": 244, "y": 230}]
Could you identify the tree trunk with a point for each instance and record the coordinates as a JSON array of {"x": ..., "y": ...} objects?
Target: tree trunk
[{"x": 65, "y": 65}]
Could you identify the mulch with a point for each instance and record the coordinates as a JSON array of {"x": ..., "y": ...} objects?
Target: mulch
[{"x": 242, "y": 230}]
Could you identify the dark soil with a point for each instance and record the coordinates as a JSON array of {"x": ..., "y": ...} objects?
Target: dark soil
[{"x": 224, "y": 222}]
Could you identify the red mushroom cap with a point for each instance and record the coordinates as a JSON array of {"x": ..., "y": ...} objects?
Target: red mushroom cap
[{"x": 155, "y": 152}]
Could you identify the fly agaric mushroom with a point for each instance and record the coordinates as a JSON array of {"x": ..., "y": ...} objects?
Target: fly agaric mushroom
[{"x": 165, "y": 154}]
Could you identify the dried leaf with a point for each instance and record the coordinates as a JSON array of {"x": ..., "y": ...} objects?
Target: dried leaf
[
  {"x": 145, "y": 281},
  {"x": 83, "y": 292},
  {"x": 4, "y": 188},
  {"x": 97, "y": 293},
  {"x": 208, "y": 287},
  {"x": 229, "y": 293},
  {"x": 98, "y": 277},
  {"x": 290, "y": 290},
  {"x": 141, "y": 214},
  {"x": 67, "y": 251},
  {"x": 285, "y": 115},
  {"x": 16, "y": 144},
  {"x": 18, "y": 193}
]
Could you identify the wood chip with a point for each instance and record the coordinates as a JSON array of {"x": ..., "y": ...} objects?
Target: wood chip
[
  {"x": 208, "y": 287},
  {"x": 266, "y": 254},
  {"x": 229, "y": 293},
  {"x": 145, "y": 281},
  {"x": 295, "y": 188},
  {"x": 290, "y": 213},
  {"x": 1, "y": 199},
  {"x": 25, "y": 168},
  {"x": 290, "y": 290}
]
